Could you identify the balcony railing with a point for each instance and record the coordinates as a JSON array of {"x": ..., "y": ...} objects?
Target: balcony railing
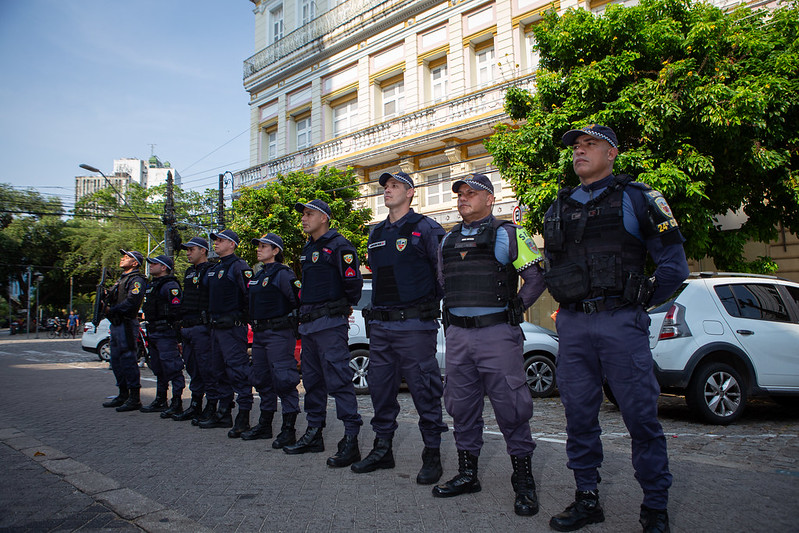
[
  {"x": 411, "y": 125},
  {"x": 342, "y": 19}
]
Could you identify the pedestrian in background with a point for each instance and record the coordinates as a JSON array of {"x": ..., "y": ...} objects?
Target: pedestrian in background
[
  {"x": 162, "y": 312},
  {"x": 597, "y": 239},
  {"x": 273, "y": 293},
  {"x": 331, "y": 285},
  {"x": 121, "y": 307},
  {"x": 402, "y": 326},
  {"x": 482, "y": 259}
]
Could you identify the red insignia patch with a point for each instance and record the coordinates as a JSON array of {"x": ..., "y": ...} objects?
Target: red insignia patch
[
  {"x": 327, "y": 250},
  {"x": 350, "y": 273},
  {"x": 416, "y": 234},
  {"x": 175, "y": 301}
]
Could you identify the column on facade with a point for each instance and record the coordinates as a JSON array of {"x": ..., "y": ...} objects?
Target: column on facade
[{"x": 456, "y": 59}]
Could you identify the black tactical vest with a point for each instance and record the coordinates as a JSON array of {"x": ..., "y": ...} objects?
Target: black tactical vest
[
  {"x": 195, "y": 291},
  {"x": 598, "y": 254},
  {"x": 120, "y": 290},
  {"x": 321, "y": 281},
  {"x": 401, "y": 271},
  {"x": 266, "y": 299},
  {"x": 224, "y": 294},
  {"x": 472, "y": 275},
  {"x": 155, "y": 306}
]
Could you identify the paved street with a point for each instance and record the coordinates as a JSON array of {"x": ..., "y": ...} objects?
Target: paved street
[{"x": 68, "y": 464}]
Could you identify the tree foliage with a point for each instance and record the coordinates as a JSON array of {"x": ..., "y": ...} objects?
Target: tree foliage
[
  {"x": 271, "y": 208},
  {"x": 705, "y": 104}
]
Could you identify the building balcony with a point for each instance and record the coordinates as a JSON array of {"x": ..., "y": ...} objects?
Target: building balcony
[
  {"x": 424, "y": 129},
  {"x": 333, "y": 31}
]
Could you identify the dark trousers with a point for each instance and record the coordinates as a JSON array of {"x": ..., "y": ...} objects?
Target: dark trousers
[
  {"x": 166, "y": 363},
  {"x": 488, "y": 362},
  {"x": 613, "y": 345},
  {"x": 394, "y": 355},
  {"x": 274, "y": 370},
  {"x": 124, "y": 362},
  {"x": 196, "y": 356},
  {"x": 326, "y": 370},
  {"x": 229, "y": 347}
]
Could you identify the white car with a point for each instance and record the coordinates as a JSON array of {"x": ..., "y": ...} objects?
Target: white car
[
  {"x": 97, "y": 340},
  {"x": 538, "y": 359},
  {"x": 724, "y": 337}
]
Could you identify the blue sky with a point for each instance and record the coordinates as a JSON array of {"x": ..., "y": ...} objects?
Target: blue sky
[{"x": 90, "y": 81}]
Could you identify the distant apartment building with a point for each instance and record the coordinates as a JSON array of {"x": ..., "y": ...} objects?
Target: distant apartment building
[{"x": 149, "y": 173}]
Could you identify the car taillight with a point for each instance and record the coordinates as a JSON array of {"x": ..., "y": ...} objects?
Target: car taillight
[
  {"x": 87, "y": 326},
  {"x": 671, "y": 324}
]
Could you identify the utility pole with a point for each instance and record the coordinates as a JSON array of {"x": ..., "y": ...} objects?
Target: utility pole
[
  {"x": 169, "y": 216},
  {"x": 220, "y": 215}
]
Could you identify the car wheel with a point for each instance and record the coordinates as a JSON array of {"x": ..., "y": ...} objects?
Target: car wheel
[
  {"x": 717, "y": 393},
  {"x": 359, "y": 363},
  {"x": 539, "y": 371},
  {"x": 104, "y": 351}
]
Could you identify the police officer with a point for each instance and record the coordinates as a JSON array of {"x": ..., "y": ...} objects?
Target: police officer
[
  {"x": 122, "y": 304},
  {"x": 162, "y": 312},
  {"x": 273, "y": 302},
  {"x": 195, "y": 332},
  {"x": 597, "y": 238},
  {"x": 482, "y": 259},
  {"x": 331, "y": 285},
  {"x": 227, "y": 306},
  {"x": 403, "y": 256}
]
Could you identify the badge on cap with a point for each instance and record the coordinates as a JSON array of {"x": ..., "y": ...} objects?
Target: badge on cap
[{"x": 401, "y": 244}]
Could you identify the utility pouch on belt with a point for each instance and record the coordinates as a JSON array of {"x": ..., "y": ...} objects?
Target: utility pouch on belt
[
  {"x": 567, "y": 283},
  {"x": 638, "y": 289},
  {"x": 367, "y": 316},
  {"x": 515, "y": 312}
]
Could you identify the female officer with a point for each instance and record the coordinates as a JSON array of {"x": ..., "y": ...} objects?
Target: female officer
[{"x": 273, "y": 300}]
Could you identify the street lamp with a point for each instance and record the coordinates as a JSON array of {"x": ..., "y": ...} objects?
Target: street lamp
[{"x": 220, "y": 219}]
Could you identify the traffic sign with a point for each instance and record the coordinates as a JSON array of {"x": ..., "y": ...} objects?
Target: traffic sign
[{"x": 517, "y": 215}]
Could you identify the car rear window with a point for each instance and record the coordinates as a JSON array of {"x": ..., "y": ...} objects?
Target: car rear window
[{"x": 753, "y": 300}]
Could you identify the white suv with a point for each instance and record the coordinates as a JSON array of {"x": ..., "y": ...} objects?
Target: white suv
[
  {"x": 538, "y": 359},
  {"x": 724, "y": 337}
]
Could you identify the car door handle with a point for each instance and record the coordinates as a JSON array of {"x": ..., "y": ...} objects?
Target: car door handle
[{"x": 745, "y": 331}]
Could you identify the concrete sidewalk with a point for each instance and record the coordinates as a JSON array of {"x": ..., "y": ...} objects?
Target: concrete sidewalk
[{"x": 69, "y": 464}]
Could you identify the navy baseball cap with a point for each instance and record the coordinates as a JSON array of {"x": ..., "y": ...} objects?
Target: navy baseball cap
[
  {"x": 399, "y": 176},
  {"x": 195, "y": 241},
  {"x": 134, "y": 254},
  {"x": 478, "y": 182},
  {"x": 317, "y": 205},
  {"x": 270, "y": 238},
  {"x": 162, "y": 260},
  {"x": 228, "y": 234},
  {"x": 594, "y": 130}
]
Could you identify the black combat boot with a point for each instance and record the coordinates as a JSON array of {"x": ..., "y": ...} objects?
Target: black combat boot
[
  {"x": 654, "y": 520},
  {"x": 583, "y": 511},
  {"x": 133, "y": 403},
  {"x": 158, "y": 405},
  {"x": 431, "y": 467},
  {"x": 175, "y": 408},
  {"x": 241, "y": 424},
  {"x": 221, "y": 418},
  {"x": 381, "y": 456},
  {"x": 465, "y": 482},
  {"x": 194, "y": 409},
  {"x": 206, "y": 414},
  {"x": 310, "y": 442},
  {"x": 262, "y": 430},
  {"x": 288, "y": 434},
  {"x": 119, "y": 399},
  {"x": 526, "y": 503},
  {"x": 347, "y": 453}
]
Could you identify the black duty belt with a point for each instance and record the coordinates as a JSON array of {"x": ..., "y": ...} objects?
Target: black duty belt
[
  {"x": 391, "y": 315},
  {"x": 333, "y": 309},
  {"x": 283, "y": 322},
  {"x": 191, "y": 322},
  {"x": 226, "y": 322},
  {"x": 594, "y": 306},
  {"x": 480, "y": 321}
]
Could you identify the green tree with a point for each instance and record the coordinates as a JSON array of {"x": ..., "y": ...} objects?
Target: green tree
[
  {"x": 271, "y": 208},
  {"x": 705, "y": 104}
]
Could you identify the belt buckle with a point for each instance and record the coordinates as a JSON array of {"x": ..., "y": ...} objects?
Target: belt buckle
[{"x": 590, "y": 307}]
